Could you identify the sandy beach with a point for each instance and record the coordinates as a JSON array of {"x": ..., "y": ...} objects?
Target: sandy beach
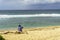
[{"x": 43, "y": 33}]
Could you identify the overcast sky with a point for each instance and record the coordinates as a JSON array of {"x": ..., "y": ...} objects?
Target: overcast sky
[{"x": 26, "y": 4}]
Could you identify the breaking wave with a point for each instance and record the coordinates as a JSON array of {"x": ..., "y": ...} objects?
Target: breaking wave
[{"x": 31, "y": 15}]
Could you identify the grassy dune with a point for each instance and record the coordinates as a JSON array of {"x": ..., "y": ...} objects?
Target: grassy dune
[{"x": 48, "y": 33}]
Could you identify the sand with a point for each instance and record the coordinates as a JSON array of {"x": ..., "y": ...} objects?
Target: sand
[{"x": 47, "y": 33}]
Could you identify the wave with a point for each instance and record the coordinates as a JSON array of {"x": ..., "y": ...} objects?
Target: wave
[{"x": 31, "y": 15}]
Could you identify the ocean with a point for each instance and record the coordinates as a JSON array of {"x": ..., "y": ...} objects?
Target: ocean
[{"x": 10, "y": 19}]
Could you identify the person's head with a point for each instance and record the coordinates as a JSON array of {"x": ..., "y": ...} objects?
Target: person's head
[{"x": 19, "y": 25}]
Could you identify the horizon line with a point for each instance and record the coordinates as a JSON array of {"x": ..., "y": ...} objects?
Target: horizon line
[{"x": 34, "y": 9}]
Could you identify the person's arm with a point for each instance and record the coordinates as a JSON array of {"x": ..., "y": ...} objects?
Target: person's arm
[{"x": 22, "y": 27}]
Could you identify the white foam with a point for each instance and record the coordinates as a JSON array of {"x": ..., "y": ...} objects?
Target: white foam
[{"x": 34, "y": 15}]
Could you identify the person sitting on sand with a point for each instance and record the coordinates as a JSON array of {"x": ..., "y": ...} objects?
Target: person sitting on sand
[{"x": 20, "y": 28}]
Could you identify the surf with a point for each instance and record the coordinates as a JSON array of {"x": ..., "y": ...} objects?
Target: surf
[{"x": 30, "y": 15}]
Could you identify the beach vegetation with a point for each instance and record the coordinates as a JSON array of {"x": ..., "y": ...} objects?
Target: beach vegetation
[{"x": 1, "y": 38}]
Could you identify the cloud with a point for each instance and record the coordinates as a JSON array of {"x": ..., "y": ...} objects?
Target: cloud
[
  {"x": 25, "y": 2},
  {"x": 22, "y": 4},
  {"x": 39, "y": 1}
]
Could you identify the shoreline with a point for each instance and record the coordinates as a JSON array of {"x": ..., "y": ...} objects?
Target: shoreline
[{"x": 30, "y": 29}]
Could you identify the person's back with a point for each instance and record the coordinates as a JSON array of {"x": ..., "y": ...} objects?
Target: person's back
[{"x": 20, "y": 28}]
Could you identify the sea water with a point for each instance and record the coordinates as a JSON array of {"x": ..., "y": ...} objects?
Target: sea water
[{"x": 29, "y": 18}]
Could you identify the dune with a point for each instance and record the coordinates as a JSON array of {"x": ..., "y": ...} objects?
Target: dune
[{"x": 47, "y": 33}]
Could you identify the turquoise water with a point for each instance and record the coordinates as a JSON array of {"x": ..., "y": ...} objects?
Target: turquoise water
[{"x": 28, "y": 22}]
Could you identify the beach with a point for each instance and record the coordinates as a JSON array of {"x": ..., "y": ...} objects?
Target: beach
[{"x": 43, "y": 33}]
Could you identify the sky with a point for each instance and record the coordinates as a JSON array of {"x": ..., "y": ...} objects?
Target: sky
[{"x": 29, "y": 4}]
